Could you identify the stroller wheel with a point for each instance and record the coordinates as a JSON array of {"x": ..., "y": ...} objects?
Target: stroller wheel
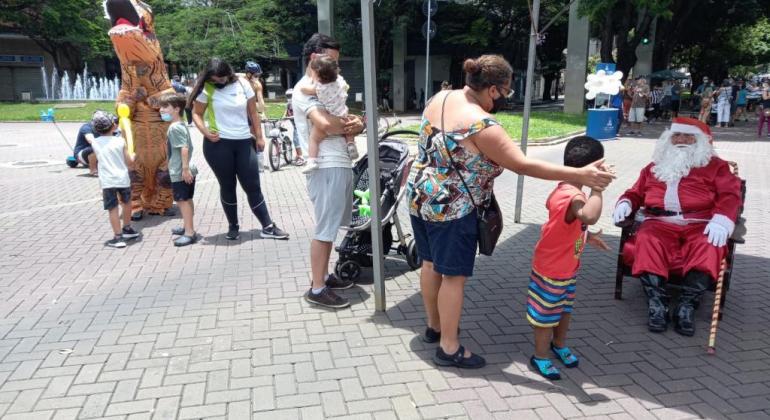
[
  {"x": 412, "y": 259},
  {"x": 347, "y": 270}
]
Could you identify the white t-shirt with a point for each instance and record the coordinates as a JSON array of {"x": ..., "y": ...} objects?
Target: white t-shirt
[
  {"x": 333, "y": 150},
  {"x": 334, "y": 96},
  {"x": 113, "y": 172},
  {"x": 230, "y": 110}
]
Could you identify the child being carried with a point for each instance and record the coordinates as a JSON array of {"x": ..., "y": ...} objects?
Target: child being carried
[{"x": 332, "y": 91}]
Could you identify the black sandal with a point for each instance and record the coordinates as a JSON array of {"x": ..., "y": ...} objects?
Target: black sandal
[{"x": 458, "y": 359}]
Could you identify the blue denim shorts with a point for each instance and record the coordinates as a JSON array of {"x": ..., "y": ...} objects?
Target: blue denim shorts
[{"x": 450, "y": 246}]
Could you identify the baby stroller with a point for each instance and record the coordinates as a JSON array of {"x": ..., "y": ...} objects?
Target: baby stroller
[{"x": 355, "y": 250}]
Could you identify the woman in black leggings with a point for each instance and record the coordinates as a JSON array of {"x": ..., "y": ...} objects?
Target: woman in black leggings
[{"x": 228, "y": 105}]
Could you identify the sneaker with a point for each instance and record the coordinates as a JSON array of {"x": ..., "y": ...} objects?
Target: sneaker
[
  {"x": 233, "y": 233},
  {"x": 352, "y": 151},
  {"x": 116, "y": 242},
  {"x": 137, "y": 216},
  {"x": 273, "y": 232},
  {"x": 129, "y": 233},
  {"x": 299, "y": 161},
  {"x": 179, "y": 230},
  {"x": 185, "y": 240},
  {"x": 326, "y": 298},
  {"x": 335, "y": 283},
  {"x": 312, "y": 165}
]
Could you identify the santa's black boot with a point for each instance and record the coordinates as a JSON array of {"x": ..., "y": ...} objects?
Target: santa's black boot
[
  {"x": 657, "y": 301},
  {"x": 695, "y": 283}
]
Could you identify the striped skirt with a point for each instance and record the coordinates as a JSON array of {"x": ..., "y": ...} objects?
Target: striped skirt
[{"x": 548, "y": 298}]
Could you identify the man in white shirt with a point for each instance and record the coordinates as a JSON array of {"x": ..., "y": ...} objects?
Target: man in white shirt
[{"x": 330, "y": 187}]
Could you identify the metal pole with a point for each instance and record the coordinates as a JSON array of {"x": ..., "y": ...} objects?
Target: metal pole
[
  {"x": 373, "y": 151},
  {"x": 527, "y": 104},
  {"x": 427, "y": 54}
]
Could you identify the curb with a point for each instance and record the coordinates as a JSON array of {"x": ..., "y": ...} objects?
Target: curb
[{"x": 552, "y": 141}]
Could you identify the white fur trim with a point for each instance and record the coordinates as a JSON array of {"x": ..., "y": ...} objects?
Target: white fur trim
[
  {"x": 671, "y": 198},
  {"x": 725, "y": 222},
  {"x": 685, "y": 128}
]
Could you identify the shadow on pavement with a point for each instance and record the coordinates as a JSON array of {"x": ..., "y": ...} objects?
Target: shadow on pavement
[{"x": 617, "y": 352}]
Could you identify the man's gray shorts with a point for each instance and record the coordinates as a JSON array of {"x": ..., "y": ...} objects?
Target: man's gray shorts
[{"x": 331, "y": 191}]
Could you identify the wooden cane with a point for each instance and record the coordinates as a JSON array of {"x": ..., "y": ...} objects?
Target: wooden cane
[{"x": 717, "y": 306}]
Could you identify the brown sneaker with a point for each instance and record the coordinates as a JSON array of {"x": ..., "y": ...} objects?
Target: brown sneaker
[{"x": 326, "y": 298}]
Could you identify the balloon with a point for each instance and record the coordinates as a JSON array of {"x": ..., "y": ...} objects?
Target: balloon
[{"x": 124, "y": 112}]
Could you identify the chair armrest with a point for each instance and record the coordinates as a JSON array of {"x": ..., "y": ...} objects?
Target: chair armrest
[{"x": 739, "y": 232}]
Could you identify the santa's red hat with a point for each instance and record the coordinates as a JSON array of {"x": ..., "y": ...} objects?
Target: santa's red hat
[{"x": 690, "y": 126}]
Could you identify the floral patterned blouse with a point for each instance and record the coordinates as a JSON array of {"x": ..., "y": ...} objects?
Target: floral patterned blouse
[{"x": 435, "y": 190}]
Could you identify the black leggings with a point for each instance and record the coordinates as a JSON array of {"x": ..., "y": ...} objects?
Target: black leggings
[{"x": 231, "y": 158}]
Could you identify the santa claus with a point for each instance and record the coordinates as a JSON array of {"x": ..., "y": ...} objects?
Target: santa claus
[{"x": 691, "y": 201}]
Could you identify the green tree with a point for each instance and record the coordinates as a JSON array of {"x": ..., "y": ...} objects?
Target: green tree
[
  {"x": 192, "y": 32},
  {"x": 70, "y": 31},
  {"x": 621, "y": 25}
]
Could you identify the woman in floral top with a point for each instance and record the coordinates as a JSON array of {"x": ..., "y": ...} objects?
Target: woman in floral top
[{"x": 442, "y": 212}]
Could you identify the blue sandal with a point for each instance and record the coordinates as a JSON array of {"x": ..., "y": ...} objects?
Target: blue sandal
[
  {"x": 565, "y": 355},
  {"x": 545, "y": 368}
]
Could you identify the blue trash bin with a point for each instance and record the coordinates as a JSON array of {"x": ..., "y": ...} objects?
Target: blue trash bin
[{"x": 602, "y": 123}]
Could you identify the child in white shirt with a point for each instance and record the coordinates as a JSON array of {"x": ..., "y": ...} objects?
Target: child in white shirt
[
  {"x": 332, "y": 91},
  {"x": 113, "y": 157}
]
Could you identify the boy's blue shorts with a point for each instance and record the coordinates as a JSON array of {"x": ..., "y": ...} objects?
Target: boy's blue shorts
[{"x": 450, "y": 246}]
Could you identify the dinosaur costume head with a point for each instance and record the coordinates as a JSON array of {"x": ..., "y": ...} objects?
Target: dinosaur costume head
[{"x": 137, "y": 48}]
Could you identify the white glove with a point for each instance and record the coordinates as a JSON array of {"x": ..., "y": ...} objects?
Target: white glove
[
  {"x": 622, "y": 210},
  {"x": 719, "y": 229}
]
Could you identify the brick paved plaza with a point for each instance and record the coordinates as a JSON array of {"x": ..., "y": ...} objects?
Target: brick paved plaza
[{"x": 219, "y": 330}]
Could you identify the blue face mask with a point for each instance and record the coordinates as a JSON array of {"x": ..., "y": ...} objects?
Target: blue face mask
[{"x": 166, "y": 117}]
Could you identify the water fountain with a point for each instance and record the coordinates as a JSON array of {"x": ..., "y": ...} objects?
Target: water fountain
[
  {"x": 83, "y": 87},
  {"x": 45, "y": 82}
]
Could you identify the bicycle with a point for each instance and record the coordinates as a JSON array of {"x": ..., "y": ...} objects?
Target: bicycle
[
  {"x": 280, "y": 145},
  {"x": 383, "y": 125}
]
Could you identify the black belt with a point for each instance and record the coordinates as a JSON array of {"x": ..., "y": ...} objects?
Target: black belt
[{"x": 656, "y": 211}]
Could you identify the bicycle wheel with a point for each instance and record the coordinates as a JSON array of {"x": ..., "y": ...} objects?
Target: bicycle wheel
[
  {"x": 275, "y": 154},
  {"x": 287, "y": 146}
]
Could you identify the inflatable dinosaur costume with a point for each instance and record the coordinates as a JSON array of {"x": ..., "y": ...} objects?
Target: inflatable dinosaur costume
[{"x": 144, "y": 79}]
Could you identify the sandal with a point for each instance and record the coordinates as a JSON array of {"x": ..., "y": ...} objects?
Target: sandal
[
  {"x": 545, "y": 368},
  {"x": 565, "y": 355},
  {"x": 458, "y": 359}
]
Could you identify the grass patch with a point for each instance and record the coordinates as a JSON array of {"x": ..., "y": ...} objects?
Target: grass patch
[
  {"x": 82, "y": 111},
  {"x": 64, "y": 111},
  {"x": 542, "y": 124}
]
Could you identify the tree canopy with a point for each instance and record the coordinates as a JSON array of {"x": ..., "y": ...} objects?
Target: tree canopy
[{"x": 71, "y": 31}]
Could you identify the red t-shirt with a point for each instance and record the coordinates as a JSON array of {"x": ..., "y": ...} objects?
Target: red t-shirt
[{"x": 557, "y": 253}]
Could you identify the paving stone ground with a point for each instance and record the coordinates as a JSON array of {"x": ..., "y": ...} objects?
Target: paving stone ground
[{"x": 219, "y": 330}]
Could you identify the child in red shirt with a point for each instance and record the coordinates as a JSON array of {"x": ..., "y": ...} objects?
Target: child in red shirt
[{"x": 557, "y": 258}]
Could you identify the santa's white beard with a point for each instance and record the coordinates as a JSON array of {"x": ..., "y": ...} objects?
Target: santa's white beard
[{"x": 674, "y": 162}]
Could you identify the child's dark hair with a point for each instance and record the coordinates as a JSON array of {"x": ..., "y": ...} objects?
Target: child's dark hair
[
  {"x": 325, "y": 69},
  {"x": 582, "y": 151},
  {"x": 176, "y": 100},
  {"x": 318, "y": 44}
]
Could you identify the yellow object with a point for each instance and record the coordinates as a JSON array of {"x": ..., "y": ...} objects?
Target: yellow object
[{"x": 124, "y": 112}]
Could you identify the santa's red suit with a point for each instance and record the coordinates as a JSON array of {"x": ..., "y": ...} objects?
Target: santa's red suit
[
  {"x": 691, "y": 201},
  {"x": 677, "y": 214}
]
